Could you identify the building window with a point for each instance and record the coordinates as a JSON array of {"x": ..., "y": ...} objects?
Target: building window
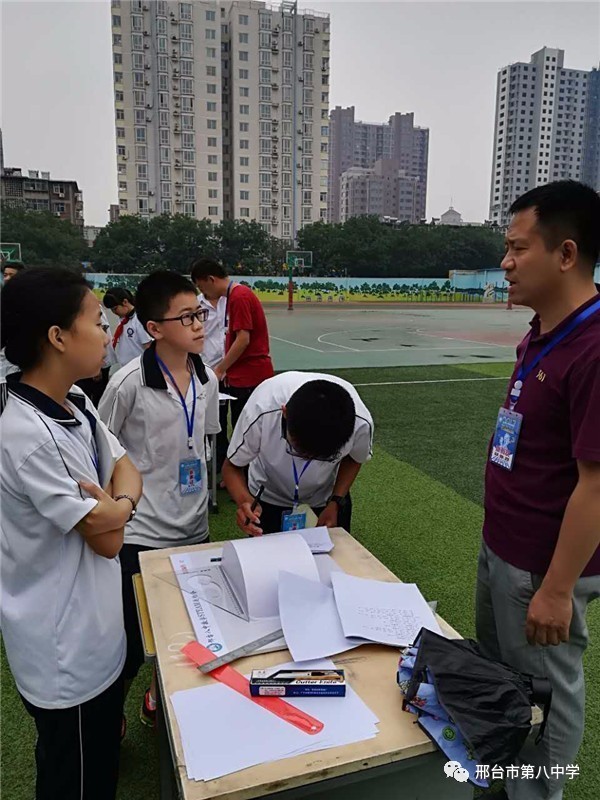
[
  {"x": 140, "y": 134},
  {"x": 210, "y": 16},
  {"x": 212, "y": 141},
  {"x": 244, "y": 212},
  {"x": 243, "y": 73},
  {"x": 210, "y": 33},
  {"x": 211, "y": 88},
  {"x": 116, "y": 21},
  {"x": 244, "y": 144},
  {"x": 120, "y": 114},
  {"x": 244, "y": 177},
  {"x": 212, "y": 176},
  {"x": 120, "y": 133},
  {"x": 244, "y": 161},
  {"x": 243, "y": 38},
  {"x": 211, "y": 105},
  {"x": 213, "y": 211},
  {"x": 185, "y": 10},
  {"x": 118, "y": 77},
  {"x": 141, "y": 152},
  {"x": 244, "y": 109},
  {"x": 244, "y": 127},
  {"x": 244, "y": 91},
  {"x": 244, "y": 195},
  {"x": 243, "y": 55}
]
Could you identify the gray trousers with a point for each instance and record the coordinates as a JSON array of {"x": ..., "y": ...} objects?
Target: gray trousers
[{"x": 503, "y": 596}]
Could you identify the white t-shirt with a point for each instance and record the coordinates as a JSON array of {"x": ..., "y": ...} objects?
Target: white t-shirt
[
  {"x": 214, "y": 331},
  {"x": 146, "y": 414},
  {"x": 62, "y": 614},
  {"x": 132, "y": 340},
  {"x": 258, "y": 441}
]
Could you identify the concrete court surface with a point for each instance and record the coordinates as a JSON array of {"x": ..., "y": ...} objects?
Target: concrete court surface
[{"x": 334, "y": 338}]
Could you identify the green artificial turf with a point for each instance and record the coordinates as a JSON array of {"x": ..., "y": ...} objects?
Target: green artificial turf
[{"x": 417, "y": 507}]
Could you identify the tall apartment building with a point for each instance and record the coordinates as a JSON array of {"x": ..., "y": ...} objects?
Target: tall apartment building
[
  {"x": 363, "y": 144},
  {"x": 591, "y": 132},
  {"x": 384, "y": 191},
  {"x": 38, "y": 191},
  {"x": 222, "y": 111},
  {"x": 539, "y": 129}
]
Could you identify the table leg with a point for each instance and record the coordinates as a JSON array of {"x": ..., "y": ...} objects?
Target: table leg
[
  {"x": 168, "y": 788},
  {"x": 213, "y": 473}
]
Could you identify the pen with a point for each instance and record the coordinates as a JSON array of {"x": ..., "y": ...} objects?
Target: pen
[{"x": 255, "y": 503}]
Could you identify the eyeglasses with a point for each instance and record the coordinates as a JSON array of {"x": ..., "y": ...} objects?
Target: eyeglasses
[
  {"x": 291, "y": 450},
  {"x": 188, "y": 318}
]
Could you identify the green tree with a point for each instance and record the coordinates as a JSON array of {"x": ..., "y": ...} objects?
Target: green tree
[{"x": 45, "y": 240}]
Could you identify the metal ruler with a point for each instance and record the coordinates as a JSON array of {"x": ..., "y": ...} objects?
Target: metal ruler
[{"x": 240, "y": 652}]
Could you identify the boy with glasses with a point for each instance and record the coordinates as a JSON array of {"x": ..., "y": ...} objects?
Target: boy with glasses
[
  {"x": 163, "y": 404},
  {"x": 304, "y": 437}
]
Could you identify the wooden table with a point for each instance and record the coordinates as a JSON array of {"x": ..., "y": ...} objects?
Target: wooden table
[{"x": 400, "y": 762}]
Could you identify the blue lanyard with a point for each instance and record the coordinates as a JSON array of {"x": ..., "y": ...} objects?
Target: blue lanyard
[
  {"x": 189, "y": 419},
  {"x": 524, "y": 371},
  {"x": 297, "y": 479}
]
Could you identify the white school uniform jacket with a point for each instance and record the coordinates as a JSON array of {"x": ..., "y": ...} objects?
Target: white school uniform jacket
[
  {"x": 62, "y": 614},
  {"x": 146, "y": 415},
  {"x": 258, "y": 442},
  {"x": 132, "y": 341}
]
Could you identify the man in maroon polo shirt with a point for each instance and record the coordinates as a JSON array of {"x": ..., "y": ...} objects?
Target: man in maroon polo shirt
[
  {"x": 539, "y": 564},
  {"x": 247, "y": 362}
]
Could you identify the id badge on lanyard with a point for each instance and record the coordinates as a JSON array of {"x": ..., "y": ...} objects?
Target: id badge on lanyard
[
  {"x": 294, "y": 520},
  {"x": 509, "y": 422},
  {"x": 190, "y": 469}
]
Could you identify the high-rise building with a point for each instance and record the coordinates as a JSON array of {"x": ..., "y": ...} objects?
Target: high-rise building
[
  {"x": 222, "y": 111},
  {"x": 37, "y": 191},
  {"x": 591, "y": 132},
  {"x": 539, "y": 130},
  {"x": 384, "y": 191},
  {"x": 361, "y": 145}
]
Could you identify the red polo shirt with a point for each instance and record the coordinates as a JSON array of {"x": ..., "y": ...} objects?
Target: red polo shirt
[
  {"x": 560, "y": 404},
  {"x": 245, "y": 313}
]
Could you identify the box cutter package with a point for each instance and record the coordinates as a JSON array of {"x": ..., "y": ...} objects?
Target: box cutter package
[{"x": 297, "y": 683}]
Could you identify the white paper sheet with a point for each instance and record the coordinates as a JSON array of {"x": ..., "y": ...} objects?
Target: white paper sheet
[
  {"x": 310, "y": 619},
  {"x": 225, "y": 396},
  {"x": 223, "y": 732},
  {"x": 252, "y": 567},
  {"x": 388, "y": 613},
  {"x": 318, "y": 539}
]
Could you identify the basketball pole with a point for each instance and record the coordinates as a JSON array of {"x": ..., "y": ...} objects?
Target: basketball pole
[{"x": 290, "y": 285}]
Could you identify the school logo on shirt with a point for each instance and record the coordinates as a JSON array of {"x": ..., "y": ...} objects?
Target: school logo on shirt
[
  {"x": 130, "y": 332},
  {"x": 541, "y": 376}
]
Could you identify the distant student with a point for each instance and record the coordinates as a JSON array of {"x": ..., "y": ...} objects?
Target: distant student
[
  {"x": 161, "y": 406},
  {"x": 304, "y": 437},
  {"x": 62, "y": 615},
  {"x": 247, "y": 362},
  {"x": 10, "y": 269},
  {"x": 212, "y": 355},
  {"x": 130, "y": 339}
]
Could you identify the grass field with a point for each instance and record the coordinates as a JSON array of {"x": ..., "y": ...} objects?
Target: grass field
[{"x": 417, "y": 508}]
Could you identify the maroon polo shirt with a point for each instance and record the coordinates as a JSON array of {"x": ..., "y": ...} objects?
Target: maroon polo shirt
[{"x": 560, "y": 404}]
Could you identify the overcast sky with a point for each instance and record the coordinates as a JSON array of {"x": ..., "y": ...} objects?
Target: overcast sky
[{"x": 437, "y": 59}]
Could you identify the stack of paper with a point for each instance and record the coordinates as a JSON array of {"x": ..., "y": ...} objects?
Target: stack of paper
[
  {"x": 388, "y": 613},
  {"x": 223, "y": 732},
  {"x": 318, "y": 539},
  {"x": 310, "y": 620}
]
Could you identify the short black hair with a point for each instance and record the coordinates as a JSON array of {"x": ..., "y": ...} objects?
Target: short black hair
[
  {"x": 18, "y": 266},
  {"x": 156, "y": 292},
  {"x": 565, "y": 210},
  {"x": 320, "y": 418},
  {"x": 116, "y": 296},
  {"x": 33, "y": 302},
  {"x": 206, "y": 267}
]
